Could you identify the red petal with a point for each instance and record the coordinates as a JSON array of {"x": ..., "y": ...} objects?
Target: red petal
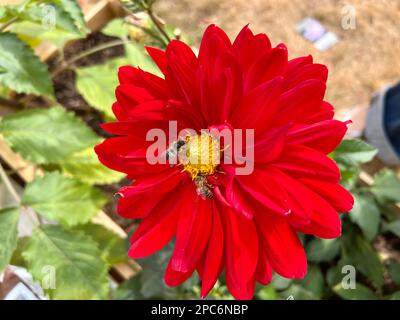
[
  {"x": 243, "y": 292},
  {"x": 337, "y": 196},
  {"x": 174, "y": 278},
  {"x": 247, "y": 48},
  {"x": 158, "y": 57},
  {"x": 155, "y": 85},
  {"x": 300, "y": 161},
  {"x": 180, "y": 73},
  {"x": 295, "y": 65},
  {"x": 214, "y": 255},
  {"x": 241, "y": 248},
  {"x": 299, "y": 198},
  {"x": 311, "y": 71},
  {"x": 194, "y": 228},
  {"x": 236, "y": 196},
  {"x": 269, "y": 66},
  {"x": 129, "y": 95},
  {"x": 213, "y": 44},
  {"x": 135, "y": 128},
  {"x": 119, "y": 154},
  {"x": 139, "y": 200},
  {"x": 119, "y": 112},
  {"x": 301, "y": 102},
  {"x": 143, "y": 110},
  {"x": 284, "y": 249},
  {"x": 323, "y": 136},
  {"x": 325, "y": 221},
  {"x": 156, "y": 230},
  {"x": 270, "y": 144},
  {"x": 262, "y": 186},
  {"x": 259, "y": 106},
  {"x": 324, "y": 112},
  {"x": 186, "y": 115},
  {"x": 263, "y": 273}
]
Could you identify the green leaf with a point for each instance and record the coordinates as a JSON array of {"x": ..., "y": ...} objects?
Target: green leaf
[
  {"x": 111, "y": 245},
  {"x": 7, "y": 13},
  {"x": 61, "y": 14},
  {"x": 85, "y": 166},
  {"x": 50, "y": 16},
  {"x": 386, "y": 187},
  {"x": 137, "y": 5},
  {"x": 394, "y": 227},
  {"x": 361, "y": 292},
  {"x": 135, "y": 53},
  {"x": 319, "y": 250},
  {"x": 394, "y": 270},
  {"x": 309, "y": 288},
  {"x": 267, "y": 293},
  {"x": 297, "y": 292},
  {"x": 153, "y": 269},
  {"x": 63, "y": 199},
  {"x": 395, "y": 296},
  {"x": 279, "y": 282},
  {"x": 46, "y": 135},
  {"x": 333, "y": 276},
  {"x": 17, "y": 259},
  {"x": 349, "y": 176},
  {"x": 366, "y": 215},
  {"x": 116, "y": 28},
  {"x": 25, "y": 73},
  {"x": 313, "y": 282},
  {"x": 363, "y": 257},
  {"x": 336, "y": 273},
  {"x": 74, "y": 10},
  {"x": 33, "y": 33},
  {"x": 129, "y": 290},
  {"x": 80, "y": 273},
  {"x": 138, "y": 57},
  {"x": 354, "y": 152},
  {"x": 97, "y": 85},
  {"x": 8, "y": 234}
]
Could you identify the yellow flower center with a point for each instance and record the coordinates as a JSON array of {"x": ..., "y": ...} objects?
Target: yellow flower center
[{"x": 201, "y": 155}]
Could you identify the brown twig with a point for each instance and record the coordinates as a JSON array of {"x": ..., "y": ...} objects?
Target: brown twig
[
  {"x": 8, "y": 23},
  {"x": 11, "y": 103},
  {"x": 158, "y": 24}
]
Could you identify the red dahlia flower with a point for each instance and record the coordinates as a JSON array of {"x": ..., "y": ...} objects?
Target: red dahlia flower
[{"x": 244, "y": 225}]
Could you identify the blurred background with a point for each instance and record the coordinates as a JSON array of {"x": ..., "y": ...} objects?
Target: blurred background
[{"x": 58, "y": 72}]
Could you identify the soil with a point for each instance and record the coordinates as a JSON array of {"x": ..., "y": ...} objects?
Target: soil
[
  {"x": 365, "y": 59},
  {"x": 64, "y": 83}
]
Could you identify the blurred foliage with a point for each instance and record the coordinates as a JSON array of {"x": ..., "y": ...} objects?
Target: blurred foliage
[
  {"x": 138, "y": 5},
  {"x": 66, "y": 197}
]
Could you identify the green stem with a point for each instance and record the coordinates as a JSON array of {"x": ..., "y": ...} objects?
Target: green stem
[
  {"x": 158, "y": 25},
  {"x": 8, "y": 23},
  {"x": 67, "y": 64}
]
